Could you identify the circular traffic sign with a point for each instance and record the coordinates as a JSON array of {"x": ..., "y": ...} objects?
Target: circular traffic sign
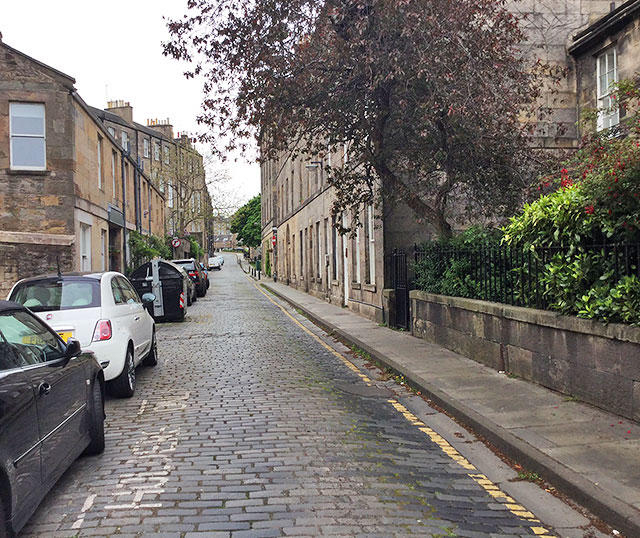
[{"x": 175, "y": 242}]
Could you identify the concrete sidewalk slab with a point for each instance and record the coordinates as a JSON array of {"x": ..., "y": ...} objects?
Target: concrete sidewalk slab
[{"x": 589, "y": 454}]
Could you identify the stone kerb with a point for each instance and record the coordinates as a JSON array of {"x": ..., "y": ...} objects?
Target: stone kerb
[{"x": 595, "y": 362}]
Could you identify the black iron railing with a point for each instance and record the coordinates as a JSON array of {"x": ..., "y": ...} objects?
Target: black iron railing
[{"x": 515, "y": 275}]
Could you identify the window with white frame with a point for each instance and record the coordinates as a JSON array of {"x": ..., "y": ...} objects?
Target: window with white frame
[
  {"x": 166, "y": 155},
  {"x": 609, "y": 113},
  {"x": 125, "y": 140},
  {"x": 113, "y": 172},
  {"x": 170, "y": 198},
  {"x": 85, "y": 247},
  {"x": 112, "y": 131},
  {"x": 145, "y": 144},
  {"x": 28, "y": 140},
  {"x": 100, "y": 163},
  {"x": 156, "y": 151}
]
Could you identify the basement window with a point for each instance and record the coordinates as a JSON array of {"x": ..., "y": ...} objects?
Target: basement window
[{"x": 28, "y": 141}]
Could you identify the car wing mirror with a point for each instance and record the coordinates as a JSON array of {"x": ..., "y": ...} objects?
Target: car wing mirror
[{"x": 73, "y": 349}]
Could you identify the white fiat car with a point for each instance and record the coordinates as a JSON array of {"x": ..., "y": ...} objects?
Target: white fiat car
[{"x": 101, "y": 310}]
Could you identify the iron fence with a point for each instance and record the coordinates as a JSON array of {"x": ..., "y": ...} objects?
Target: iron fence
[{"x": 514, "y": 275}]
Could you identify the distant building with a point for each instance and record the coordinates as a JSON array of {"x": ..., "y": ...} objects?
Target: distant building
[
  {"x": 69, "y": 193},
  {"x": 173, "y": 164},
  {"x": 224, "y": 241}
]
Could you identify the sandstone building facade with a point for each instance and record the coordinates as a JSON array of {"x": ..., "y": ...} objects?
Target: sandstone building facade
[
  {"x": 172, "y": 163},
  {"x": 67, "y": 188},
  {"x": 301, "y": 244}
]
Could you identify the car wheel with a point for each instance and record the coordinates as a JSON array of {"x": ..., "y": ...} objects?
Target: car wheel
[
  {"x": 124, "y": 385},
  {"x": 152, "y": 358},
  {"x": 96, "y": 427},
  {"x": 189, "y": 300}
]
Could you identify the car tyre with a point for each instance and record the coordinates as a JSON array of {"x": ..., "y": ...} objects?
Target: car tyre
[
  {"x": 152, "y": 358},
  {"x": 124, "y": 385},
  {"x": 96, "y": 426},
  {"x": 189, "y": 300}
]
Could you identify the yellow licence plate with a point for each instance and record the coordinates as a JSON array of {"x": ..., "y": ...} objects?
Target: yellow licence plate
[{"x": 65, "y": 336}]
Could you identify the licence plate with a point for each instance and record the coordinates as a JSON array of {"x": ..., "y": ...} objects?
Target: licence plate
[{"x": 65, "y": 335}]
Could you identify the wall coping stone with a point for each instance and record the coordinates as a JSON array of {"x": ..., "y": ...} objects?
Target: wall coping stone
[
  {"x": 615, "y": 331},
  {"x": 35, "y": 238}
]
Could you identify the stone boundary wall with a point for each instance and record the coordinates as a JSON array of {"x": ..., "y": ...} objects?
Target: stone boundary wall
[
  {"x": 22, "y": 260},
  {"x": 585, "y": 359}
]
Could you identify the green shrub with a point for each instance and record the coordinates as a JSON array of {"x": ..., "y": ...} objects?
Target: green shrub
[{"x": 447, "y": 266}]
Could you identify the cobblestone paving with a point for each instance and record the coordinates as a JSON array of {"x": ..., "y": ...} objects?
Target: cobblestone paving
[{"x": 244, "y": 429}]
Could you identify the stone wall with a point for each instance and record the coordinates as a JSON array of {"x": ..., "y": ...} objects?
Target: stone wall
[
  {"x": 21, "y": 260},
  {"x": 588, "y": 360}
]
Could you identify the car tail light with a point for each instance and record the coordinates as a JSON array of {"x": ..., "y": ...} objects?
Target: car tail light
[{"x": 102, "y": 330}]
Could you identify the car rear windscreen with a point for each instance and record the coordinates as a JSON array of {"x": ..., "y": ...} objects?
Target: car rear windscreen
[
  {"x": 188, "y": 265},
  {"x": 56, "y": 294}
]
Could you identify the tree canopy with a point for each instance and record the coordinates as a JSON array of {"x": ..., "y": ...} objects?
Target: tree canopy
[
  {"x": 246, "y": 222},
  {"x": 429, "y": 97}
]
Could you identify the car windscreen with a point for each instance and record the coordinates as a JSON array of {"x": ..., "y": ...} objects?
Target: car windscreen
[
  {"x": 188, "y": 265},
  {"x": 57, "y": 294}
]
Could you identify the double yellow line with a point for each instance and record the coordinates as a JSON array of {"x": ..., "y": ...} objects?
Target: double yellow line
[{"x": 518, "y": 510}]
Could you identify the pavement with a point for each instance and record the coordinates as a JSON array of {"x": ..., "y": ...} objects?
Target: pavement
[
  {"x": 589, "y": 454},
  {"x": 256, "y": 423}
]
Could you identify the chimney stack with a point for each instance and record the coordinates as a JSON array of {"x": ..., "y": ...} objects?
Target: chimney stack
[{"x": 122, "y": 109}]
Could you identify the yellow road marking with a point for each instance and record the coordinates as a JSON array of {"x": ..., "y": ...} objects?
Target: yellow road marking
[{"x": 444, "y": 445}]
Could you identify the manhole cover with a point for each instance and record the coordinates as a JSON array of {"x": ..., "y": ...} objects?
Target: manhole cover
[{"x": 360, "y": 389}]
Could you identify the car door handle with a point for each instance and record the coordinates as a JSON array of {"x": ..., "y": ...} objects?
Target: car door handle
[
  {"x": 44, "y": 388},
  {"x": 137, "y": 318}
]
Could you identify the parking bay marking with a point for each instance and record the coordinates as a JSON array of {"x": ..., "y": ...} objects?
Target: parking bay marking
[{"x": 494, "y": 491}]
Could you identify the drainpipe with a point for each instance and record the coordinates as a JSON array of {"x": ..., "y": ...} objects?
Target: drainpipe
[{"x": 125, "y": 233}]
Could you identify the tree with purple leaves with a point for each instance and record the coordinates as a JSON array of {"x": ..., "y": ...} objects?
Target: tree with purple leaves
[{"x": 433, "y": 99}]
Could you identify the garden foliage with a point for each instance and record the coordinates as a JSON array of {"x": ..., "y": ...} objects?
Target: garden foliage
[{"x": 583, "y": 233}]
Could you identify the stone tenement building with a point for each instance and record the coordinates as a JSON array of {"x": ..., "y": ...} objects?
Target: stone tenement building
[
  {"x": 589, "y": 39},
  {"x": 172, "y": 163},
  {"x": 68, "y": 192}
]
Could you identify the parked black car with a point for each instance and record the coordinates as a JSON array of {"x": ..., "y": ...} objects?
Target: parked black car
[
  {"x": 192, "y": 267},
  {"x": 51, "y": 411}
]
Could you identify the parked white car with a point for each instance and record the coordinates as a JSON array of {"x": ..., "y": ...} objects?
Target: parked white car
[
  {"x": 101, "y": 310},
  {"x": 215, "y": 262}
]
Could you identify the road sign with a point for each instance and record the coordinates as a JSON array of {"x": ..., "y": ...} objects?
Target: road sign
[
  {"x": 175, "y": 242},
  {"x": 273, "y": 240}
]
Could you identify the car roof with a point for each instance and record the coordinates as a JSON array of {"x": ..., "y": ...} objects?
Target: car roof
[
  {"x": 183, "y": 260},
  {"x": 6, "y": 306},
  {"x": 92, "y": 275}
]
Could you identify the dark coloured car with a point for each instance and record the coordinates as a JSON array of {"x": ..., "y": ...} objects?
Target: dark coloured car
[
  {"x": 204, "y": 271},
  {"x": 192, "y": 267},
  {"x": 51, "y": 411}
]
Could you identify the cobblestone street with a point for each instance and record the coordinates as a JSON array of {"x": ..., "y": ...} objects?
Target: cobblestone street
[{"x": 253, "y": 426}]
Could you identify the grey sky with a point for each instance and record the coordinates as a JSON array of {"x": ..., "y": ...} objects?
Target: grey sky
[{"x": 113, "y": 50}]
